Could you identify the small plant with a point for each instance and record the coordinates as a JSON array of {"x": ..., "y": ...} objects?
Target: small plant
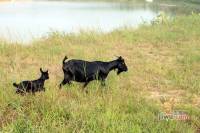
[
  {"x": 161, "y": 18},
  {"x": 167, "y": 104}
]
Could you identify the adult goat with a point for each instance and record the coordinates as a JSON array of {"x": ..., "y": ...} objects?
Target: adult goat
[{"x": 85, "y": 71}]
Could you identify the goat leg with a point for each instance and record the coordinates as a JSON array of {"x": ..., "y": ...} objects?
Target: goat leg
[
  {"x": 86, "y": 83},
  {"x": 44, "y": 89},
  {"x": 63, "y": 83},
  {"x": 103, "y": 83}
]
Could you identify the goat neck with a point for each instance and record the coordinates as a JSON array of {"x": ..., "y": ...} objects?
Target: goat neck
[
  {"x": 112, "y": 65},
  {"x": 42, "y": 78}
]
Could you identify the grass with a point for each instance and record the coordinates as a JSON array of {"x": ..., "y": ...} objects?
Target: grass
[{"x": 163, "y": 61}]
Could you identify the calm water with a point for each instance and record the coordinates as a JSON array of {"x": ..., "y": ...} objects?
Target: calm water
[{"x": 24, "y": 21}]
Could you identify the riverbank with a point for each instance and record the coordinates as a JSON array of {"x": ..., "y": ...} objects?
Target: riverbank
[{"x": 164, "y": 76}]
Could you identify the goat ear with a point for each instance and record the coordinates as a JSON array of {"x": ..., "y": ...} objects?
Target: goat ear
[
  {"x": 121, "y": 58},
  {"x": 41, "y": 70}
]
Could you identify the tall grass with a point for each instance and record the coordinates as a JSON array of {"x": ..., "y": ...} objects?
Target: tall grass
[{"x": 163, "y": 61}]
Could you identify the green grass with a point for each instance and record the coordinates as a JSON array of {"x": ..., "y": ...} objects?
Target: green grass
[{"x": 163, "y": 61}]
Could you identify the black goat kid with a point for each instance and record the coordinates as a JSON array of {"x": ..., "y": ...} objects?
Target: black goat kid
[
  {"x": 84, "y": 71},
  {"x": 32, "y": 86}
]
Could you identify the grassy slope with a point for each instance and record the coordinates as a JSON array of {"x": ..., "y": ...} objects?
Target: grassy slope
[{"x": 163, "y": 61}]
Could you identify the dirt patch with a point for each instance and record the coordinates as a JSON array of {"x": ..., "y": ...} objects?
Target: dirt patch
[{"x": 178, "y": 96}]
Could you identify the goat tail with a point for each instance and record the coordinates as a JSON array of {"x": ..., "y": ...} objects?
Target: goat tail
[
  {"x": 15, "y": 85},
  {"x": 65, "y": 58}
]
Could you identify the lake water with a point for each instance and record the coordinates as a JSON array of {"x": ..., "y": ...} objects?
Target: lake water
[{"x": 24, "y": 21}]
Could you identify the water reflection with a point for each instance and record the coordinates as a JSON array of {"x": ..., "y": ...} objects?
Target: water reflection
[{"x": 23, "y": 21}]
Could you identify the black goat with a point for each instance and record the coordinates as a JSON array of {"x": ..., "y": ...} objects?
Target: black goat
[
  {"x": 84, "y": 71},
  {"x": 32, "y": 86}
]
